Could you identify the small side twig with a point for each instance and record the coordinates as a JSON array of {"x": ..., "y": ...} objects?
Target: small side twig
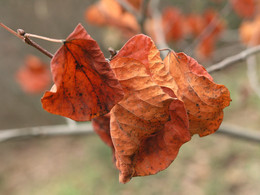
[
  {"x": 25, "y": 37},
  {"x": 234, "y": 59}
]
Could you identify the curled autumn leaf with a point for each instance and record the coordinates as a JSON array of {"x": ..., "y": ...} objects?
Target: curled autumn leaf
[
  {"x": 203, "y": 99},
  {"x": 34, "y": 77},
  {"x": 148, "y": 126},
  {"x": 109, "y": 12},
  {"x": 182, "y": 76},
  {"x": 85, "y": 86}
]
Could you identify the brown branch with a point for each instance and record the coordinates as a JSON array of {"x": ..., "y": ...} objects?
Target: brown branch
[
  {"x": 234, "y": 59},
  {"x": 23, "y": 36}
]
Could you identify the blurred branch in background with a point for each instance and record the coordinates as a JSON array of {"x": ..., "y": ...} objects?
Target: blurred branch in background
[
  {"x": 158, "y": 29},
  {"x": 238, "y": 132},
  {"x": 234, "y": 59},
  {"x": 86, "y": 128},
  {"x": 140, "y": 15},
  {"x": 209, "y": 29},
  {"x": 54, "y": 130}
]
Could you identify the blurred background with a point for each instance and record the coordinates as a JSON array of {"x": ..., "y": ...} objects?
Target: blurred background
[{"x": 79, "y": 165}]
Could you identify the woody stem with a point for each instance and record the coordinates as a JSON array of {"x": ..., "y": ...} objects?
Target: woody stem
[{"x": 23, "y": 36}]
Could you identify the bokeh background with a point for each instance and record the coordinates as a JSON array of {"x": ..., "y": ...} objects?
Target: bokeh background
[{"x": 79, "y": 165}]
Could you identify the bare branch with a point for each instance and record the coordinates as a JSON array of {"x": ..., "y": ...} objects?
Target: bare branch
[
  {"x": 234, "y": 59},
  {"x": 84, "y": 128},
  {"x": 22, "y": 35},
  {"x": 240, "y": 133}
]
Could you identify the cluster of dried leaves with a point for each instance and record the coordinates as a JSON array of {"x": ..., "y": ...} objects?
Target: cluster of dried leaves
[
  {"x": 175, "y": 25},
  {"x": 141, "y": 106}
]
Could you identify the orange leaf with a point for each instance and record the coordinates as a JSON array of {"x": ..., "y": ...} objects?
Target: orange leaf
[
  {"x": 206, "y": 47},
  {"x": 250, "y": 32},
  {"x": 173, "y": 24},
  {"x": 101, "y": 14},
  {"x": 244, "y": 8},
  {"x": 147, "y": 126},
  {"x": 34, "y": 76},
  {"x": 85, "y": 85},
  {"x": 175, "y": 76},
  {"x": 195, "y": 24},
  {"x": 203, "y": 99},
  {"x": 210, "y": 16}
]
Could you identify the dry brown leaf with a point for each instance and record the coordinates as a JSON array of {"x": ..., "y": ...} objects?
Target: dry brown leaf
[
  {"x": 203, "y": 99},
  {"x": 147, "y": 125},
  {"x": 85, "y": 86}
]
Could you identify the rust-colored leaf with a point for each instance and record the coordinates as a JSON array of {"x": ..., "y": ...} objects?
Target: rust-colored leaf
[
  {"x": 147, "y": 126},
  {"x": 34, "y": 77},
  {"x": 204, "y": 100},
  {"x": 244, "y": 8},
  {"x": 85, "y": 86}
]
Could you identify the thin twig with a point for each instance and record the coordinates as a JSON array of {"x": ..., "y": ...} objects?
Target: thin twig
[
  {"x": 44, "y": 38},
  {"x": 143, "y": 16},
  {"x": 158, "y": 30},
  {"x": 86, "y": 128},
  {"x": 234, "y": 59},
  {"x": 140, "y": 15},
  {"x": 240, "y": 133},
  {"x": 22, "y": 35},
  {"x": 54, "y": 130},
  {"x": 37, "y": 46}
]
